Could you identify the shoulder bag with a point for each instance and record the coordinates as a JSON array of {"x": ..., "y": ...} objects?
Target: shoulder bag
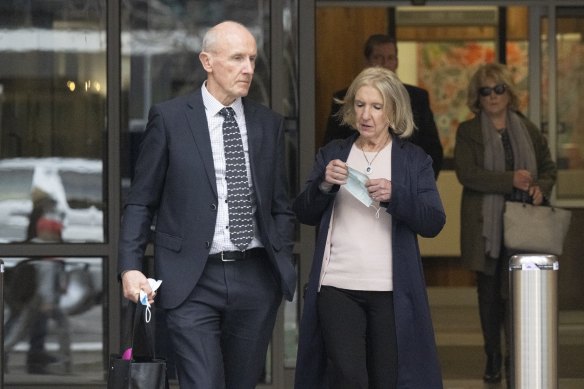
[
  {"x": 535, "y": 228},
  {"x": 139, "y": 368}
]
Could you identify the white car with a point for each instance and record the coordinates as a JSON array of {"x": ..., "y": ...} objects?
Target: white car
[{"x": 75, "y": 184}]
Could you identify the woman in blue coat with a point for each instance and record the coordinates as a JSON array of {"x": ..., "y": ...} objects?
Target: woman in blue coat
[{"x": 366, "y": 321}]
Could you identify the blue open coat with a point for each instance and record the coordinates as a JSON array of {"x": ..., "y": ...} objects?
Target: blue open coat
[{"x": 416, "y": 208}]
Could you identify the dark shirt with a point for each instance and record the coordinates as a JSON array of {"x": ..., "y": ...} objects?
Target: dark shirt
[
  {"x": 425, "y": 135},
  {"x": 516, "y": 194}
]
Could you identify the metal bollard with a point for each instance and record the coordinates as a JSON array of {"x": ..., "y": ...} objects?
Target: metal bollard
[{"x": 534, "y": 305}]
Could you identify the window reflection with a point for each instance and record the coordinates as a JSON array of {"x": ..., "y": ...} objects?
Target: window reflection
[
  {"x": 291, "y": 111},
  {"x": 67, "y": 190},
  {"x": 52, "y": 118},
  {"x": 569, "y": 106},
  {"x": 54, "y": 323},
  {"x": 292, "y": 322}
]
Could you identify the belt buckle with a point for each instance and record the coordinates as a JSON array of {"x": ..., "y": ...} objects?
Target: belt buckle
[{"x": 223, "y": 259}]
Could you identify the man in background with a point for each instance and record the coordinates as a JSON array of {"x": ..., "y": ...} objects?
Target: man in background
[{"x": 381, "y": 50}]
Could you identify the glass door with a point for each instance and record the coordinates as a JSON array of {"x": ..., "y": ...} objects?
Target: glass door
[
  {"x": 562, "y": 71},
  {"x": 160, "y": 44}
]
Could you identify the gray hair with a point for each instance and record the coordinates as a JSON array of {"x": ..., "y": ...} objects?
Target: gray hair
[{"x": 213, "y": 34}]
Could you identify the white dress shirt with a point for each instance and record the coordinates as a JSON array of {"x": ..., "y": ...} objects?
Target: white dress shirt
[{"x": 221, "y": 239}]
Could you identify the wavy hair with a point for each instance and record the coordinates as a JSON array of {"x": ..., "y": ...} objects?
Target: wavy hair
[
  {"x": 498, "y": 73},
  {"x": 396, "y": 100}
]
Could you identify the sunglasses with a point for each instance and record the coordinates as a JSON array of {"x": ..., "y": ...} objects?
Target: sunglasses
[{"x": 487, "y": 90}]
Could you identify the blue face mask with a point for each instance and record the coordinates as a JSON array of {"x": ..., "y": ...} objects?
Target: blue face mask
[{"x": 356, "y": 186}]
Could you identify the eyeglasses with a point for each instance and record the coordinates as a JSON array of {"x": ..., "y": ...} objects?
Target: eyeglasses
[{"x": 487, "y": 90}]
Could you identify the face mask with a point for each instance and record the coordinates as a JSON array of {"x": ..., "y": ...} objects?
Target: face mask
[{"x": 356, "y": 186}]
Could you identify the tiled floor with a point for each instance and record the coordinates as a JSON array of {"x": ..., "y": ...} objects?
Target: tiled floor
[{"x": 459, "y": 340}]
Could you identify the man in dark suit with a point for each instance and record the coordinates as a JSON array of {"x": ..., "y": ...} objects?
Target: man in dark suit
[
  {"x": 220, "y": 299},
  {"x": 381, "y": 50}
]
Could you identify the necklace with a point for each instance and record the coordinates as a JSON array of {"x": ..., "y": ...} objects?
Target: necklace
[{"x": 369, "y": 168}]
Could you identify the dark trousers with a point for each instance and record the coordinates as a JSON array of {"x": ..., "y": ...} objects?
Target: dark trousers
[
  {"x": 220, "y": 334},
  {"x": 38, "y": 333},
  {"x": 493, "y": 295},
  {"x": 359, "y": 337}
]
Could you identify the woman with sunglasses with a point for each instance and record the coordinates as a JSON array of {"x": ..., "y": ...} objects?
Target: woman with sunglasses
[{"x": 499, "y": 155}]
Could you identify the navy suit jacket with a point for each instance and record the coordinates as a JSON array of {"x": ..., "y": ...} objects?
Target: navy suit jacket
[{"x": 174, "y": 188}]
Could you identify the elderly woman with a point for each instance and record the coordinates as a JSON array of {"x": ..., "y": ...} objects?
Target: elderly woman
[
  {"x": 499, "y": 155},
  {"x": 366, "y": 321}
]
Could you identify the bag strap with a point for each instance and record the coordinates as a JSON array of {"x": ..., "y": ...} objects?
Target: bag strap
[{"x": 142, "y": 330}]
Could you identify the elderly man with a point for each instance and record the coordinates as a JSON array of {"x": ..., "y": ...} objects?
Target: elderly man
[{"x": 211, "y": 168}]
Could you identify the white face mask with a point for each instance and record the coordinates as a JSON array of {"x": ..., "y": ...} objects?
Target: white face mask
[{"x": 356, "y": 186}]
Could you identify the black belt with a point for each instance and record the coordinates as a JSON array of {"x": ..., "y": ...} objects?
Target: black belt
[{"x": 230, "y": 256}]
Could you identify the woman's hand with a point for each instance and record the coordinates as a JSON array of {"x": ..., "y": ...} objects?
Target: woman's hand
[
  {"x": 336, "y": 173},
  {"x": 379, "y": 189},
  {"x": 536, "y": 195},
  {"x": 522, "y": 179}
]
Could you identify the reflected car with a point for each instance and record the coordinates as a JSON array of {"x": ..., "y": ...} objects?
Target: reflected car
[{"x": 75, "y": 185}]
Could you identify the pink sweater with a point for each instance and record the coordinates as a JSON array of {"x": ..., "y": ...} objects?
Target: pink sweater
[{"x": 358, "y": 254}]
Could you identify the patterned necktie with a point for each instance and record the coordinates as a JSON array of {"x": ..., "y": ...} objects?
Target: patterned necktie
[{"x": 238, "y": 195}]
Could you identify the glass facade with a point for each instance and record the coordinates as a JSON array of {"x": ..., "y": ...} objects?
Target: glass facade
[
  {"x": 53, "y": 318},
  {"x": 59, "y": 203},
  {"x": 569, "y": 105},
  {"x": 52, "y": 118},
  {"x": 53, "y": 135},
  {"x": 56, "y": 141}
]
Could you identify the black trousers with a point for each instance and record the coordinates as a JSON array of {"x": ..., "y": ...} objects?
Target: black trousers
[
  {"x": 359, "y": 336},
  {"x": 494, "y": 310},
  {"x": 220, "y": 334}
]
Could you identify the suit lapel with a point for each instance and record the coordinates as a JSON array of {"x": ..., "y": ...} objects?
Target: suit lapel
[
  {"x": 255, "y": 136},
  {"x": 199, "y": 127}
]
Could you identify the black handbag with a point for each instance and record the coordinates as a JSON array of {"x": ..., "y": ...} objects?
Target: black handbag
[{"x": 143, "y": 370}]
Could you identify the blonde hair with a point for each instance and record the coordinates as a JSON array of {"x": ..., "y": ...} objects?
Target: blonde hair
[
  {"x": 394, "y": 95},
  {"x": 500, "y": 75}
]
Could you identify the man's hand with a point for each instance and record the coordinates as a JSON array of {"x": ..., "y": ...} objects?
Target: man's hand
[{"x": 133, "y": 281}]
